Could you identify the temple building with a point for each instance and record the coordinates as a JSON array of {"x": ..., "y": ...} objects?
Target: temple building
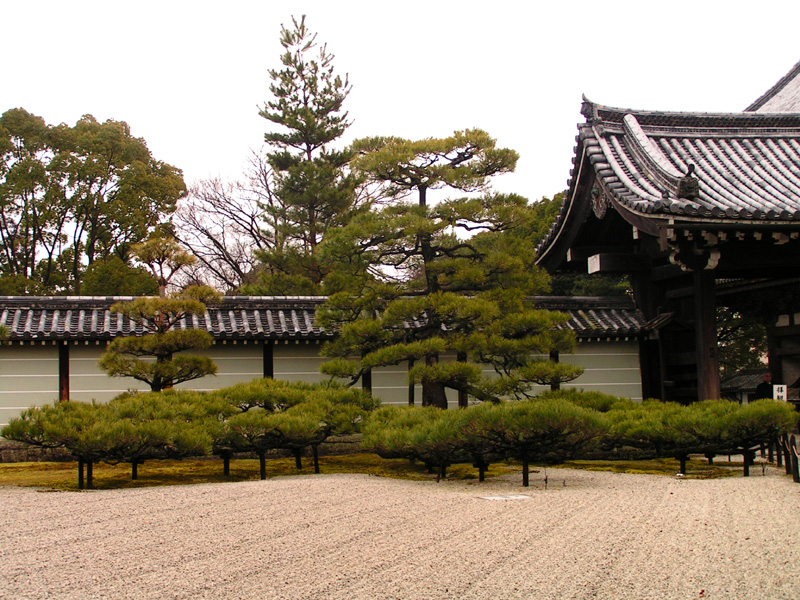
[{"x": 701, "y": 211}]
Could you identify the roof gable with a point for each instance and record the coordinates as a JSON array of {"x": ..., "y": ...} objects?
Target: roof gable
[{"x": 784, "y": 96}]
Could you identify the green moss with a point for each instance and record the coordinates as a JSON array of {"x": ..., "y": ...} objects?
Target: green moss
[
  {"x": 695, "y": 469},
  {"x": 63, "y": 476}
]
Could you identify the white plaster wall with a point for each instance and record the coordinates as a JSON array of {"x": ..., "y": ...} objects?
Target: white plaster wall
[
  {"x": 235, "y": 363},
  {"x": 29, "y": 374},
  {"x": 298, "y": 361},
  {"x": 28, "y": 377}
]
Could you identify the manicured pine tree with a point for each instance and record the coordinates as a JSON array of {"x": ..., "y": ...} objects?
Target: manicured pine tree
[
  {"x": 158, "y": 358},
  {"x": 419, "y": 280}
]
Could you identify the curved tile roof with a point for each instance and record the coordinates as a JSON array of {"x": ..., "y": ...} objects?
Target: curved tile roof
[
  {"x": 591, "y": 316},
  {"x": 262, "y": 318},
  {"x": 747, "y": 164},
  {"x": 90, "y": 318}
]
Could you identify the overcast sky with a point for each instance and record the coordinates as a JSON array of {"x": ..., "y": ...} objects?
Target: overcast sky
[{"x": 189, "y": 77}]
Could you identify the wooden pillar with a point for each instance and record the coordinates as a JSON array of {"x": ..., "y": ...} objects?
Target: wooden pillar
[
  {"x": 708, "y": 386},
  {"x": 63, "y": 372},
  {"x": 774, "y": 356},
  {"x": 269, "y": 368},
  {"x": 463, "y": 397},
  {"x": 410, "y": 385}
]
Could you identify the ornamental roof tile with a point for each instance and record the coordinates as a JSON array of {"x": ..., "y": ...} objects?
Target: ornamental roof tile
[{"x": 262, "y": 318}]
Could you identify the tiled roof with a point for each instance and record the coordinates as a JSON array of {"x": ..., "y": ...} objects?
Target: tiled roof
[
  {"x": 745, "y": 380},
  {"x": 597, "y": 316},
  {"x": 262, "y": 318},
  {"x": 784, "y": 96},
  {"x": 747, "y": 164},
  {"x": 89, "y": 318}
]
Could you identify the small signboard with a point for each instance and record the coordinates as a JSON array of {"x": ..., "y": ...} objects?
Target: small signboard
[{"x": 780, "y": 392}]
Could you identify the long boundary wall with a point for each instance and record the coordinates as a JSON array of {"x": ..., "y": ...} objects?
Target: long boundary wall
[{"x": 30, "y": 375}]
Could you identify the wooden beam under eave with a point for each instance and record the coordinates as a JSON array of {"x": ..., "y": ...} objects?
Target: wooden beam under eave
[{"x": 618, "y": 263}]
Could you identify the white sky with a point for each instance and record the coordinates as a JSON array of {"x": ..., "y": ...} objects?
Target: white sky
[{"x": 189, "y": 76}]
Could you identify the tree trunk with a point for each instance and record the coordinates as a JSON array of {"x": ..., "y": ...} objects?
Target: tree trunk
[
  {"x": 682, "y": 459},
  {"x": 80, "y": 474},
  {"x": 315, "y": 454},
  {"x": 482, "y": 468},
  {"x": 134, "y": 470},
  {"x": 298, "y": 459},
  {"x": 433, "y": 394},
  {"x": 525, "y": 473},
  {"x": 262, "y": 464},
  {"x": 366, "y": 381},
  {"x": 226, "y": 464}
]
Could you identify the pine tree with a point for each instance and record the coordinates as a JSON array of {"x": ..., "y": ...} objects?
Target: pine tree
[
  {"x": 456, "y": 278},
  {"x": 155, "y": 358},
  {"x": 311, "y": 189}
]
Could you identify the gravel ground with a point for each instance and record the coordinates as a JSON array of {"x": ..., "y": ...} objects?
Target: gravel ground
[{"x": 589, "y": 535}]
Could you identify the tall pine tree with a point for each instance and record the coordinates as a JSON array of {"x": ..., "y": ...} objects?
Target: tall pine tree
[{"x": 311, "y": 189}]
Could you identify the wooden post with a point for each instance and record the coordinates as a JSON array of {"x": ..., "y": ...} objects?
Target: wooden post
[
  {"x": 463, "y": 399},
  {"x": 410, "y": 385},
  {"x": 269, "y": 363},
  {"x": 63, "y": 372},
  {"x": 708, "y": 387},
  {"x": 787, "y": 455}
]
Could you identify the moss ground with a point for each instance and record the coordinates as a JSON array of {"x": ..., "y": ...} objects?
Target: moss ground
[{"x": 63, "y": 475}]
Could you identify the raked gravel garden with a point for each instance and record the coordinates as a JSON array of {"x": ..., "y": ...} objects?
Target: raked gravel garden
[{"x": 587, "y": 535}]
